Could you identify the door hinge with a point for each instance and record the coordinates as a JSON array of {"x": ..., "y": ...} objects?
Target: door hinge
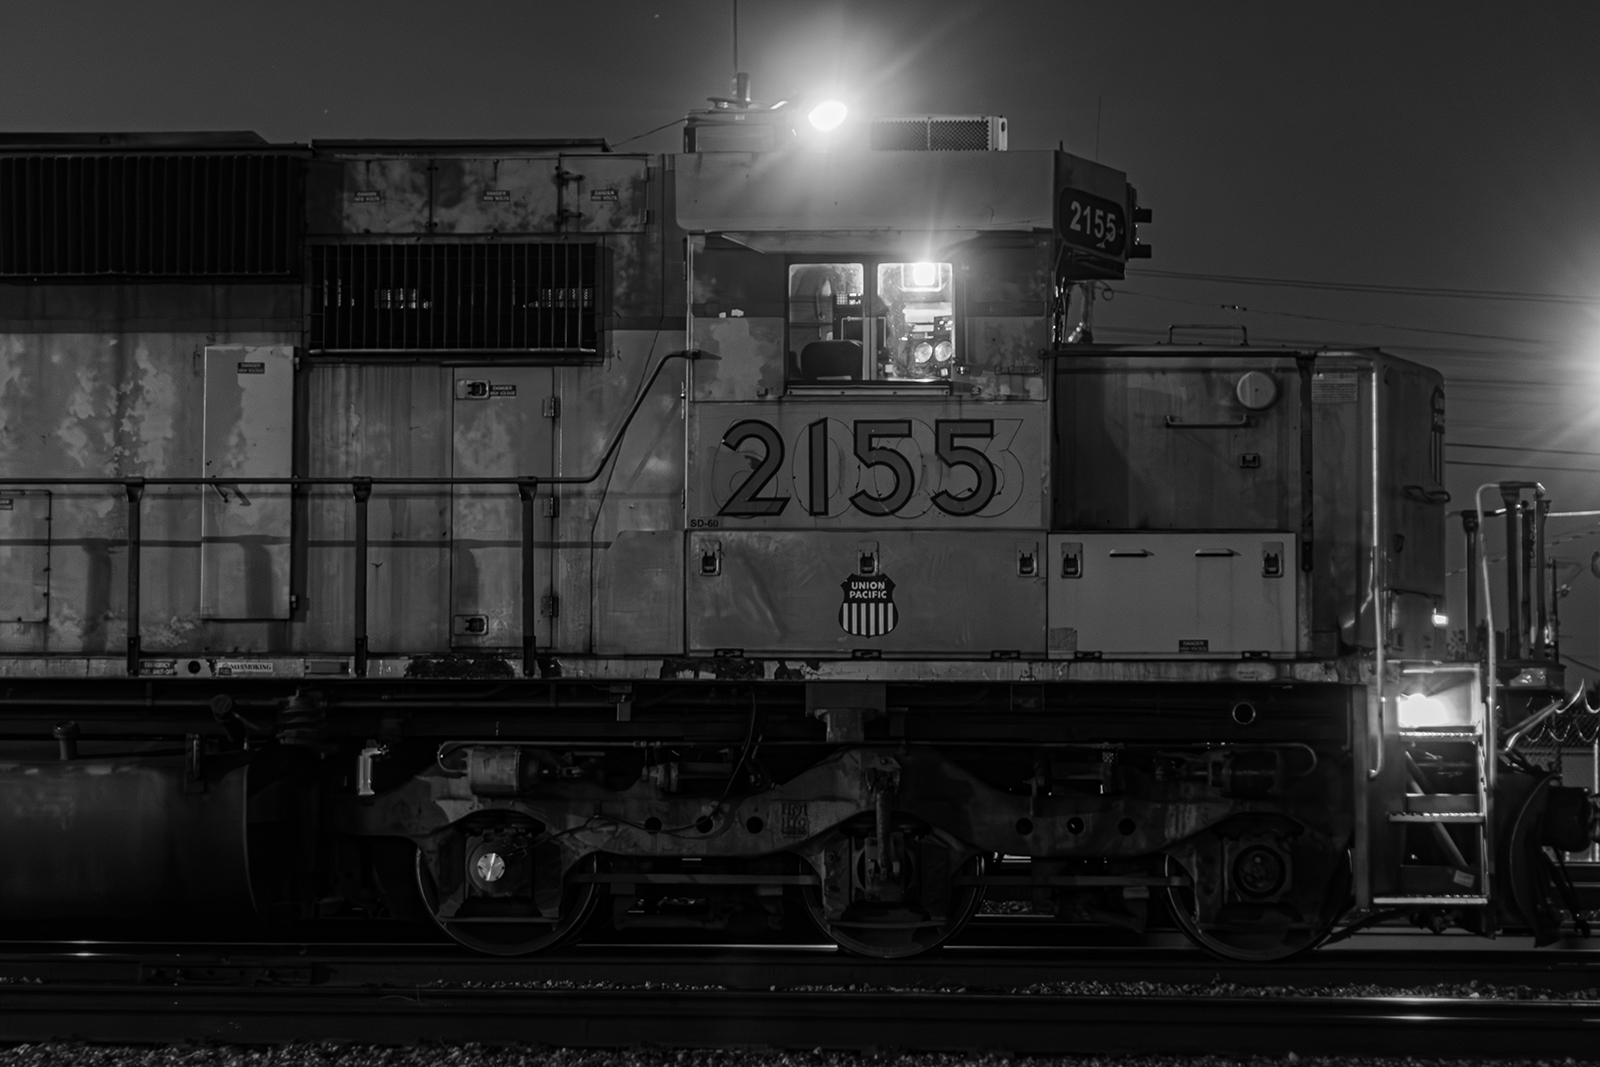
[
  {"x": 550, "y": 605},
  {"x": 552, "y": 407},
  {"x": 552, "y": 506}
]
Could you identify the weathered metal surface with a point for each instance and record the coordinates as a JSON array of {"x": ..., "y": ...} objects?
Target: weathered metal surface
[
  {"x": 1172, "y": 594},
  {"x": 750, "y": 358},
  {"x": 605, "y": 193},
  {"x": 1341, "y": 387},
  {"x": 1164, "y": 443},
  {"x": 641, "y": 491},
  {"x": 848, "y": 592},
  {"x": 638, "y": 602},
  {"x": 244, "y": 528},
  {"x": 444, "y": 194},
  {"x": 24, "y": 556},
  {"x": 948, "y": 191},
  {"x": 372, "y": 195},
  {"x": 499, "y": 431},
  {"x": 1413, "y": 493},
  {"x": 751, "y": 465},
  {"x": 124, "y": 837},
  {"x": 495, "y": 195},
  {"x": 78, "y": 401},
  {"x": 379, "y": 420}
]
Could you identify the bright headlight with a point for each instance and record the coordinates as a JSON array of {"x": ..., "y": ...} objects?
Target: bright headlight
[
  {"x": 828, "y": 115},
  {"x": 923, "y": 352}
]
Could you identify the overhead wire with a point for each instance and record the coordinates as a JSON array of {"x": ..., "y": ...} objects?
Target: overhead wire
[
  {"x": 1366, "y": 287},
  {"x": 1326, "y": 318},
  {"x": 647, "y": 133}
]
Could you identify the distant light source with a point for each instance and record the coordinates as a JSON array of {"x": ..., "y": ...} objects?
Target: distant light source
[
  {"x": 828, "y": 115},
  {"x": 1440, "y": 619},
  {"x": 924, "y": 275}
]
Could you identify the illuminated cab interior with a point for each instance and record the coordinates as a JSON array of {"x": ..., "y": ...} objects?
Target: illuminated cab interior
[{"x": 871, "y": 320}]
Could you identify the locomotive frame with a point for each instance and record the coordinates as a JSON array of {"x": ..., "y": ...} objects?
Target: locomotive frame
[{"x": 1111, "y": 621}]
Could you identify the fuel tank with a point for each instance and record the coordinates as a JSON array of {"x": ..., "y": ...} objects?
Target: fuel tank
[{"x": 124, "y": 838}]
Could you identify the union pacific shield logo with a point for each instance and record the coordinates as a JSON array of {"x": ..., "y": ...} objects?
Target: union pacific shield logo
[{"x": 868, "y": 608}]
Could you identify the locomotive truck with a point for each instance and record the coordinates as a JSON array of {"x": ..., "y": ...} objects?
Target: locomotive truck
[{"x": 531, "y": 537}]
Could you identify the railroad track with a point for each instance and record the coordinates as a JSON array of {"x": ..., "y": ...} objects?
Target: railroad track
[{"x": 977, "y": 998}]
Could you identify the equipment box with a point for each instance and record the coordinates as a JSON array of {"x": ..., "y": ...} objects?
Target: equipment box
[
  {"x": 967, "y": 594},
  {"x": 1172, "y": 594}
]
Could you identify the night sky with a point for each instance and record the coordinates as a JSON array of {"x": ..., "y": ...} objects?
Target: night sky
[{"x": 1442, "y": 146}]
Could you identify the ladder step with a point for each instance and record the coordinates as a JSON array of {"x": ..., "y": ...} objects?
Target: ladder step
[
  {"x": 1444, "y": 733},
  {"x": 1463, "y": 817},
  {"x": 1443, "y": 803},
  {"x": 1438, "y": 900}
]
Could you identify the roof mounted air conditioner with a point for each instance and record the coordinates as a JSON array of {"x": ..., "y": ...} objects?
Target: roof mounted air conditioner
[{"x": 940, "y": 133}]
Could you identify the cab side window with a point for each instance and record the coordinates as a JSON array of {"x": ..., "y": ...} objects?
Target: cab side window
[
  {"x": 878, "y": 320},
  {"x": 827, "y": 340}
]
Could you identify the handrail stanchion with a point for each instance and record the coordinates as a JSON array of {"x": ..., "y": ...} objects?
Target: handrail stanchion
[
  {"x": 362, "y": 488},
  {"x": 135, "y": 490},
  {"x": 1469, "y": 523},
  {"x": 1541, "y": 615},
  {"x": 526, "y": 488},
  {"x": 1511, "y": 495}
]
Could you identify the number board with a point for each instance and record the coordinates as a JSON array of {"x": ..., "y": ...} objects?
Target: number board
[
  {"x": 866, "y": 465},
  {"x": 1093, "y": 223}
]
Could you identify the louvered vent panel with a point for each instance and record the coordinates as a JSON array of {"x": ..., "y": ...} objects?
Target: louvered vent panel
[
  {"x": 940, "y": 133},
  {"x": 958, "y": 135},
  {"x": 900, "y": 135},
  {"x": 465, "y": 297},
  {"x": 150, "y": 215}
]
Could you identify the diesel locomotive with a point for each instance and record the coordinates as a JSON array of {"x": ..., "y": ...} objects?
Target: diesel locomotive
[{"x": 532, "y": 538}]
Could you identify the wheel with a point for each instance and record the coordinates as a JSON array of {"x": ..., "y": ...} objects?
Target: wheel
[
  {"x": 520, "y": 935},
  {"x": 925, "y": 908},
  {"x": 1293, "y": 917},
  {"x": 1540, "y": 890}
]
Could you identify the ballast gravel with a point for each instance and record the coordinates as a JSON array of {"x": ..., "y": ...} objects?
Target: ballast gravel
[
  {"x": 335, "y": 1055},
  {"x": 1472, "y": 990}
]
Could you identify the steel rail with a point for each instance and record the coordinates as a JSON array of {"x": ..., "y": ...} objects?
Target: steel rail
[{"x": 720, "y": 1018}]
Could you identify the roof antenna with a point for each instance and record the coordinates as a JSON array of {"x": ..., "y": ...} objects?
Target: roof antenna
[{"x": 741, "y": 80}]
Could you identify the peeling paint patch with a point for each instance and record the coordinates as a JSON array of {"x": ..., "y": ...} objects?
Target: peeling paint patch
[{"x": 150, "y": 420}]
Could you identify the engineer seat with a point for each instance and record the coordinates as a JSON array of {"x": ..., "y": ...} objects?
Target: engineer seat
[{"x": 827, "y": 361}]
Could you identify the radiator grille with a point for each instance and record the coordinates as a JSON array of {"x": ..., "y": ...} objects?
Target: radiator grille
[
  {"x": 934, "y": 133},
  {"x": 958, "y": 135},
  {"x": 477, "y": 297},
  {"x": 150, "y": 215},
  {"x": 892, "y": 135}
]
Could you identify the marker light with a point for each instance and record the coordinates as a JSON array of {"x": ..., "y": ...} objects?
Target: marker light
[
  {"x": 828, "y": 115},
  {"x": 1440, "y": 619}
]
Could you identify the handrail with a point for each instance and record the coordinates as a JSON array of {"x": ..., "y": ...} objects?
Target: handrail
[{"x": 361, "y": 493}]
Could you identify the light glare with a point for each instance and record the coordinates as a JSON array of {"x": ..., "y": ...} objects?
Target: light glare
[
  {"x": 1440, "y": 619},
  {"x": 828, "y": 115},
  {"x": 924, "y": 275},
  {"x": 1419, "y": 712}
]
